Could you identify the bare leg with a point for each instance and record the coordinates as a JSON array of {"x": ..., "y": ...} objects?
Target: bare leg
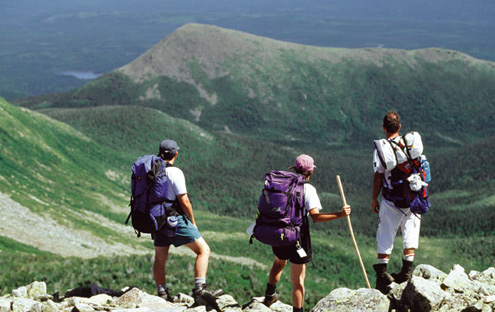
[
  {"x": 297, "y": 276},
  {"x": 276, "y": 271},
  {"x": 161, "y": 254},
  {"x": 202, "y": 251}
]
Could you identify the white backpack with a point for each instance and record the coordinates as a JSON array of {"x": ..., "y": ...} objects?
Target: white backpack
[{"x": 391, "y": 153}]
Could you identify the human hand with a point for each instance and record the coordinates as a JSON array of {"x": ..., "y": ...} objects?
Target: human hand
[
  {"x": 375, "y": 206},
  {"x": 346, "y": 210}
]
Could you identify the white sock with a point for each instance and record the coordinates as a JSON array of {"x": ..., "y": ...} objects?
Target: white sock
[
  {"x": 198, "y": 281},
  {"x": 161, "y": 288}
]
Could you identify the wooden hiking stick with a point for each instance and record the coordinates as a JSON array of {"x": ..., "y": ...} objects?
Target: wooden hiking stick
[{"x": 352, "y": 233}]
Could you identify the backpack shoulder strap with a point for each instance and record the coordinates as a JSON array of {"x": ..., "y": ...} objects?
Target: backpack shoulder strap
[
  {"x": 392, "y": 143},
  {"x": 379, "y": 156}
]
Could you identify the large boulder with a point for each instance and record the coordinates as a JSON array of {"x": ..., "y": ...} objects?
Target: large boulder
[
  {"x": 423, "y": 295},
  {"x": 347, "y": 300},
  {"x": 433, "y": 290}
]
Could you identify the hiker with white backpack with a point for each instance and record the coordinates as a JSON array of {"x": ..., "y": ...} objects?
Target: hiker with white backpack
[
  {"x": 401, "y": 174},
  {"x": 286, "y": 201}
]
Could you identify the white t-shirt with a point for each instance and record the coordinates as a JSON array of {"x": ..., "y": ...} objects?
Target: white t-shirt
[
  {"x": 311, "y": 199},
  {"x": 176, "y": 184}
]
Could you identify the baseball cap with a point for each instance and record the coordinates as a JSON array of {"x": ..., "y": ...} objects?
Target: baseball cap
[
  {"x": 304, "y": 163},
  {"x": 168, "y": 146}
]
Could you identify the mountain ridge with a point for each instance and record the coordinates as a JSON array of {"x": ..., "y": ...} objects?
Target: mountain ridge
[
  {"x": 213, "y": 44},
  {"x": 225, "y": 80}
]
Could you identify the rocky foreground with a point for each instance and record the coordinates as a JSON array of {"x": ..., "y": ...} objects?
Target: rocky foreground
[{"x": 429, "y": 290}]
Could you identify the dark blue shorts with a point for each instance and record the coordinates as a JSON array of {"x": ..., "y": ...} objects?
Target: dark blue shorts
[{"x": 186, "y": 233}]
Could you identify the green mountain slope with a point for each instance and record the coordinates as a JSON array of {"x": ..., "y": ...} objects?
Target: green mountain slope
[
  {"x": 61, "y": 183},
  {"x": 224, "y": 173},
  {"x": 227, "y": 80}
]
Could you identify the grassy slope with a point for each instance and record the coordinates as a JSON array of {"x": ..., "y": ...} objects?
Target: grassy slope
[
  {"x": 45, "y": 162},
  {"x": 61, "y": 174}
]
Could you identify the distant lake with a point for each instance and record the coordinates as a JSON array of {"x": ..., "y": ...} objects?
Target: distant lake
[{"x": 86, "y": 75}]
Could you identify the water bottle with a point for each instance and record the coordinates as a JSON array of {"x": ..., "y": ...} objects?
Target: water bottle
[
  {"x": 426, "y": 168},
  {"x": 172, "y": 222}
]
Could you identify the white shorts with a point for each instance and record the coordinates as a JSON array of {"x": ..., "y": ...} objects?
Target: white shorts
[{"x": 390, "y": 220}]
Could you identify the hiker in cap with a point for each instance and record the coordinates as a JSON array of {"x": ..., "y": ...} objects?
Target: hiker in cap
[
  {"x": 299, "y": 254},
  {"x": 391, "y": 217},
  {"x": 186, "y": 231}
]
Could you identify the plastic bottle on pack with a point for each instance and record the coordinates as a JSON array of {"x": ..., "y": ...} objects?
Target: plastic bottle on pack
[{"x": 426, "y": 168}]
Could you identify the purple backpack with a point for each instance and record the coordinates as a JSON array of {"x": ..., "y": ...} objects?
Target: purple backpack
[
  {"x": 280, "y": 209},
  {"x": 148, "y": 194}
]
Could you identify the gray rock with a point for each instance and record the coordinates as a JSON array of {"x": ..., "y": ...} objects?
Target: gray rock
[
  {"x": 344, "y": 299},
  {"x": 422, "y": 295},
  {"x": 184, "y": 299},
  {"x": 196, "y": 309},
  {"x": 130, "y": 298},
  {"x": 161, "y": 306},
  {"x": 485, "y": 277},
  {"x": 457, "y": 302},
  {"x": 50, "y": 306},
  {"x": 20, "y": 292},
  {"x": 21, "y": 304},
  {"x": 256, "y": 306},
  {"x": 101, "y": 299},
  {"x": 36, "y": 289},
  {"x": 83, "y": 307},
  {"x": 5, "y": 304},
  {"x": 147, "y": 298},
  {"x": 72, "y": 301},
  {"x": 427, "y": 271},
  {"x": 459, "y": 281},
  {"x": 429, "y": 290},
  {"x": 228, "y": 303},
  {"x": 279, "y": 306}
]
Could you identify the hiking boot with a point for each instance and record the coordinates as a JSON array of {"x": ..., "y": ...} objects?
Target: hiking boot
[
  {"x": 405, "y": 274},
  {"x": 271, "y": 299},
  {"x": 203, "y": 297},
  {"x": 165, "y": 294},
  {"x": 383, "y": 279}
]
